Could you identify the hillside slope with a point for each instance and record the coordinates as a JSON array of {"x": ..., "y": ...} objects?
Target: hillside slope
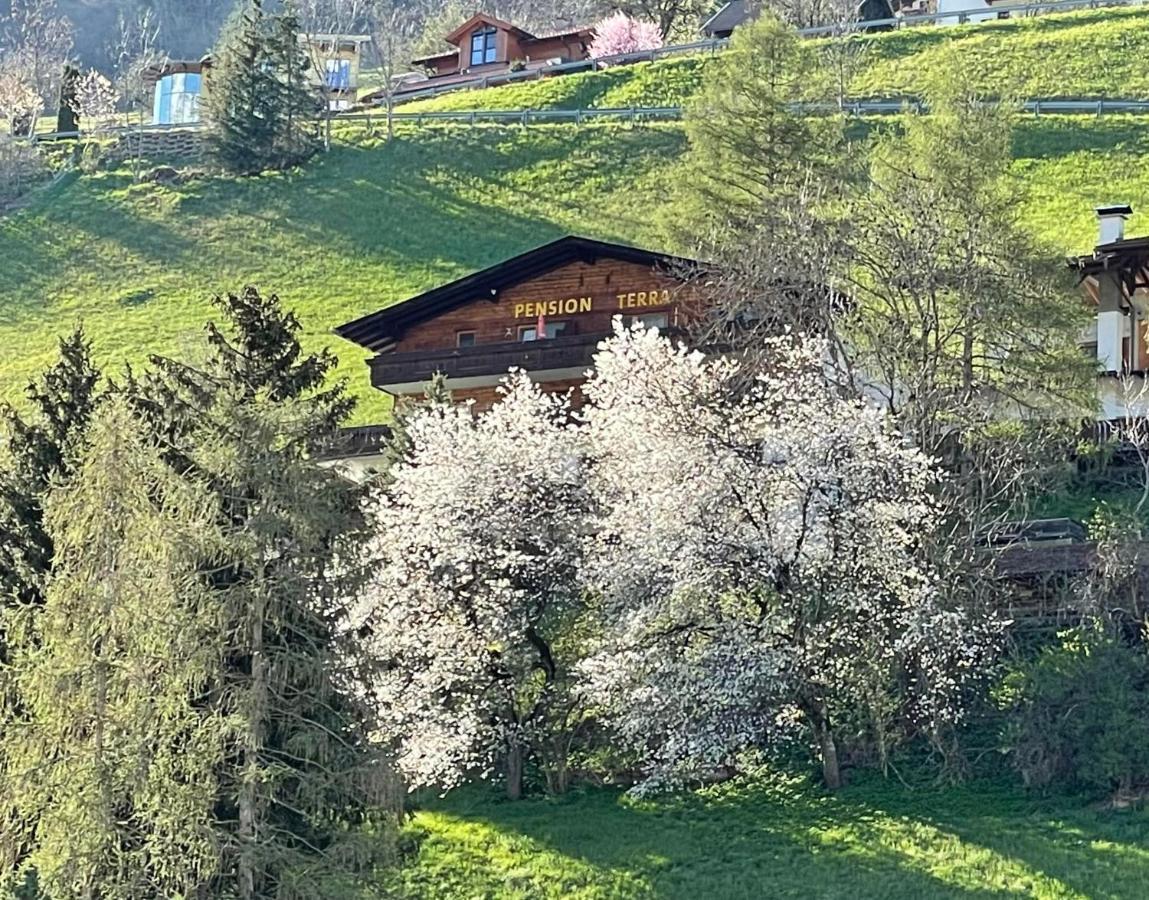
[
  {"x": 363, "y": 227},
  {"x": 1088, "y": 55},
  {"x": 371, "y": 224}
]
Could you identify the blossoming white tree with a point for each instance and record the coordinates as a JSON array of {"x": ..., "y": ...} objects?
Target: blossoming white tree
[
  {"x": 95, "y": 98},
  {"x": 478, "y": 587},
  {"x": 757, "y": 559},
  {"x": 619, "y": 33}
]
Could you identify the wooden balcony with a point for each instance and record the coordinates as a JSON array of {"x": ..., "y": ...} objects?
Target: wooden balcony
[{"x": 561, "y": 357}]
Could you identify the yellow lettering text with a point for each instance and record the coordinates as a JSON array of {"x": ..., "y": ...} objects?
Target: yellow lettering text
[
  {"x": 519, "y": 310},
  {"x": 584, "y": 304}
]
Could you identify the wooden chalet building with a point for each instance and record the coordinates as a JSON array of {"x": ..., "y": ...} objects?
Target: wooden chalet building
[
  {"x": 1115, "y": 279},
  {"x": 488, "y": 47},
  {"x": 544, "y": 311}
]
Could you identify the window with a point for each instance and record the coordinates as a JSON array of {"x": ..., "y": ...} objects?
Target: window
[
  {"x": 464, "y": 339},
  {"x": 339, "y": 74},
  {"x": 648, "y": 320},
  {"x": 177, "y": 99},
  {"x": 530, "y": 332},
  {"x": 483, "y": 46}
]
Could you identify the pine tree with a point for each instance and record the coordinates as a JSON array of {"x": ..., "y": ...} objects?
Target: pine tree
[
  {"x": 260, "y": 109},
  {"x": 300, "y": 770},
  {"x": 113, "y": 763}
]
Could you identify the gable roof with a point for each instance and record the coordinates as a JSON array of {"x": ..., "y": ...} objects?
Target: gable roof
[
  {"x": 730, "y": 16},
  {"x": 482, "y": 18},
  {"x": 379, "y": 330}
]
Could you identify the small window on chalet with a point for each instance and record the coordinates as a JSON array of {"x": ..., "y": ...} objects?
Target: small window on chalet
[
  {"x": 648, "y": 320},
  {"x": 531, "y": 332},
  {"x": 464, "y": 339},
  {"x": 483, "y": 46},
  {"x": 338, "y": 74}
]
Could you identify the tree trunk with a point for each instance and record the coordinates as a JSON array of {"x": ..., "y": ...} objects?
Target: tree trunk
[
  {"x": 515, "y": 771},
  {"x": 831, "y": 770},
  {"x": 248, "y": 825}
]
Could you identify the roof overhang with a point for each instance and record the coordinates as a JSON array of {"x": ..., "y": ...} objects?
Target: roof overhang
[
  {"x": 379, "y": 331},
  {"x": 483, "y": 19}
]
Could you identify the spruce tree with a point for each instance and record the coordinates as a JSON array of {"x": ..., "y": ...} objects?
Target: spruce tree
[
  {"x": 112, "y": 766},
  {"x": 260, "y": 109},
  {"x": 300, "y": 772},
  {"x": 37, "y": 449}
]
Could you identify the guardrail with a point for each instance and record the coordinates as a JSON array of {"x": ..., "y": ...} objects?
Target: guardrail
[
  {"x": 1035, "y": 107},
  {"x": 971, "y": 15},
  {"x": 668, "y": 113}
]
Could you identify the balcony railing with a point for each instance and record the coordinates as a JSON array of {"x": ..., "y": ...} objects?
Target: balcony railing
[{"x": 482, "y": 360}]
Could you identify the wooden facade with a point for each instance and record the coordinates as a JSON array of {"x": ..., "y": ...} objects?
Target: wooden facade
[
  {"x": 487, "y": 46},
  {"x": 477, "y": 328}
]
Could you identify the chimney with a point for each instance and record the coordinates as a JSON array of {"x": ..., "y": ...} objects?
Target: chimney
[{"x": 1112, "y": 222}]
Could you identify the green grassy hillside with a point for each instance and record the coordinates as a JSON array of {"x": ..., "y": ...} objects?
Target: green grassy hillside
[
  {"x": 1091, "y": 54},
  {"x": 785, "y": 840},
  {"x": 370, "y": 224}
]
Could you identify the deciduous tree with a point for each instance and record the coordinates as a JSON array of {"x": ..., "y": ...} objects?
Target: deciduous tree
[
  {"x": 477, "y": 594},
  {"x": 759, "y": 557},
  {"x": 113, "y": 762},
  {"x": 619, "y": 33}
]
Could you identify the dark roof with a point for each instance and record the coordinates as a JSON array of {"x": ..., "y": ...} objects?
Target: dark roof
[
  {"x": 1112, "y": 256},
  {"x": 423, "y": 60},
  {"x": 380, "y": 329},
  {"x": 1043, "y": 560},
  {"x": 581, "y": 31},
  {"x": 733, "y": 14},
  {"x": 360, "y": 440},
  {"x": 1002, "y": 534}
]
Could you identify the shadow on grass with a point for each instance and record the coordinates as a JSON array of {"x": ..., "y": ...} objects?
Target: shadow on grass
[{"x": 791, "y": 839}]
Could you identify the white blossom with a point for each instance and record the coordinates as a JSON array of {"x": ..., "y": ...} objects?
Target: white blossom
[
  {"x": 757, "y": 555},
  {"x": 479, "y": 546}
]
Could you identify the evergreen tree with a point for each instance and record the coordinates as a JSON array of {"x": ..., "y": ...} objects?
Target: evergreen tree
[
  {"x": 113, "y": 763},
  {"x": 398, "y": 446},
  {"x": 36, "y": 451},
  {"x": 300, "y": 770},
  {"x": 752, "y": 156},
  {"x": 260, "y": 108}
]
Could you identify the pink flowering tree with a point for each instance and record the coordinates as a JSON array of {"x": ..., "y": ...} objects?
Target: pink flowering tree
[{"x": 619, "y": 33}]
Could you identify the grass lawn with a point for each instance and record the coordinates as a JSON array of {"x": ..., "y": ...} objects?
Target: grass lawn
[
  {"x": 790, "y": 839},
  {"x": 1046, "y": 56},
  {"x": 371, "y": 223}
]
